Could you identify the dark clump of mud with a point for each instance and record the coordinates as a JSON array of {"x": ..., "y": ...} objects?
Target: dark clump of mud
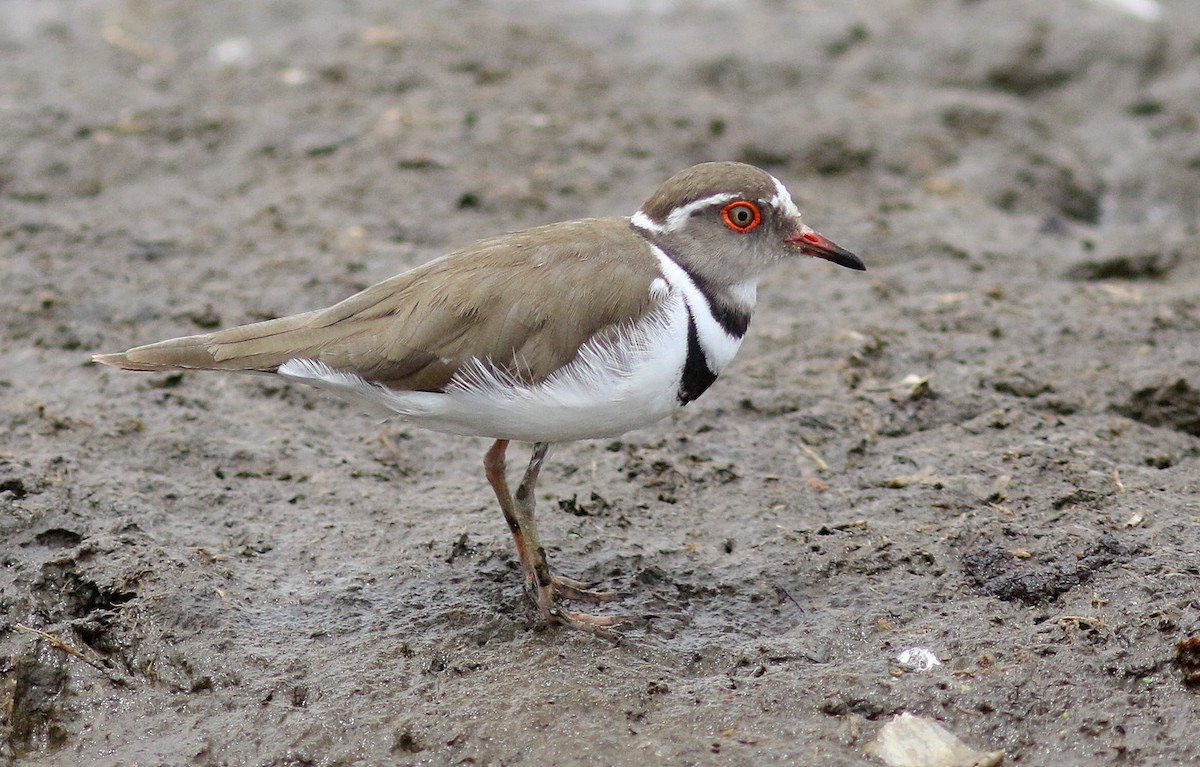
[
  {"x": 983, "y": 451},
  {"x": 1174, "y": 406},
  {"x": 33, "y": 689},
  {"x": 997, "y": 573}
]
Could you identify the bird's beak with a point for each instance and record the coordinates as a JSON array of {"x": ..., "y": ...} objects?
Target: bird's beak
[{"x": 811, "y": 243}]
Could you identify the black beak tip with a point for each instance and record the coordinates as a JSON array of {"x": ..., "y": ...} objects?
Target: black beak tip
[
  {"x": 841, "y": 257},
  {"x": 852, "y": 261}
]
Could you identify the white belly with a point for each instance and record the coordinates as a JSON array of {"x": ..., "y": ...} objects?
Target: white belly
[{"x": 606, "y": 391}]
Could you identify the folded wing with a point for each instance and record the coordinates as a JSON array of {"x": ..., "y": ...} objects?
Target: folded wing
[{"x": 523, "y": 303}]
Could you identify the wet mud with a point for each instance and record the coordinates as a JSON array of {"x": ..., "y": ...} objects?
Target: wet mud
[{"x": 986, "y": 446}]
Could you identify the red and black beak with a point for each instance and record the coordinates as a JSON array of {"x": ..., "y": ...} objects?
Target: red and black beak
[{"x": 811, "y": 243}]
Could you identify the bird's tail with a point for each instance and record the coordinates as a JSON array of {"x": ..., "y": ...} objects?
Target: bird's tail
[{"x": 259, "y": 347}]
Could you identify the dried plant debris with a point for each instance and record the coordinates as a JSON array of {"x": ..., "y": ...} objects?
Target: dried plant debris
[
  {"x": 594, "y": 507},
  {"x": 1187, "y": 655},
  {"x": 914, "y": 741},
  {"x": 999, "y": 574},
  {"x": 1175, "y": 406}
]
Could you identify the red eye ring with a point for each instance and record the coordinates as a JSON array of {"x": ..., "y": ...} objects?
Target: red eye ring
[{"x": 741, "y": 215}]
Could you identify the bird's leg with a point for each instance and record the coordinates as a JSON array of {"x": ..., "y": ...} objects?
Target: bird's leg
[
  {"x": 494, "y": 467},
  {"x": 523, "y": 505},
  {"x": 545, "y": 588},
  {"x": 567, "y": 588}
]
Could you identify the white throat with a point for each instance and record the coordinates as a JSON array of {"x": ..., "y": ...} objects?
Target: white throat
[{"x": 718, "y": 345}]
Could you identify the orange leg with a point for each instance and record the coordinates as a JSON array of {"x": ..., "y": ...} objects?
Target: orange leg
[{"x": 545, "y": 588}]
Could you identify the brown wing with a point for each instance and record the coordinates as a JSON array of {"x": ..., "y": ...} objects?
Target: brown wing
[{"x": 524, "y": 302}]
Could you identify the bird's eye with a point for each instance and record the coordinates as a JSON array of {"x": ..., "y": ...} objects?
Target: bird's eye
[{"x": 741, "y": 216}]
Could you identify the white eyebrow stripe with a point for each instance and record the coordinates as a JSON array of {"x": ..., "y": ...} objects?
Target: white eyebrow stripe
[
  {"x": 642, "y": 221},
  {"x": 678, "y": 217},
  {"x": 783, "y": 199}
]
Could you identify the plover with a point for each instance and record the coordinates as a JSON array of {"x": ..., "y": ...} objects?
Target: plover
[{"x": 577, "y": 330}]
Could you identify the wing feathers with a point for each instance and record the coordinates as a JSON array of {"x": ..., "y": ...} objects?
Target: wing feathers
[
  {"x": 187, "y": 352},
  {"x": 524, "y": 303}
]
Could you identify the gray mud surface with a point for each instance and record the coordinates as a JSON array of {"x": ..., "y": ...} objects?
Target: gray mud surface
[{"x": 988, "y": 445}]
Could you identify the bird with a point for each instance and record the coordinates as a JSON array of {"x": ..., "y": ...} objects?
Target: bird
[{"x": 576, "y": 330}]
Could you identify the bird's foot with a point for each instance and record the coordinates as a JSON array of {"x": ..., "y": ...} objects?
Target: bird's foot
[
  {"x": 579, "y": 591},
  {"x": 549, "y": 598},
  {"x": 600, "y": 625}
]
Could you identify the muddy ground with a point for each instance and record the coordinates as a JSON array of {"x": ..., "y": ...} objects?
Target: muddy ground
[{"x": 988, "y": 445}]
